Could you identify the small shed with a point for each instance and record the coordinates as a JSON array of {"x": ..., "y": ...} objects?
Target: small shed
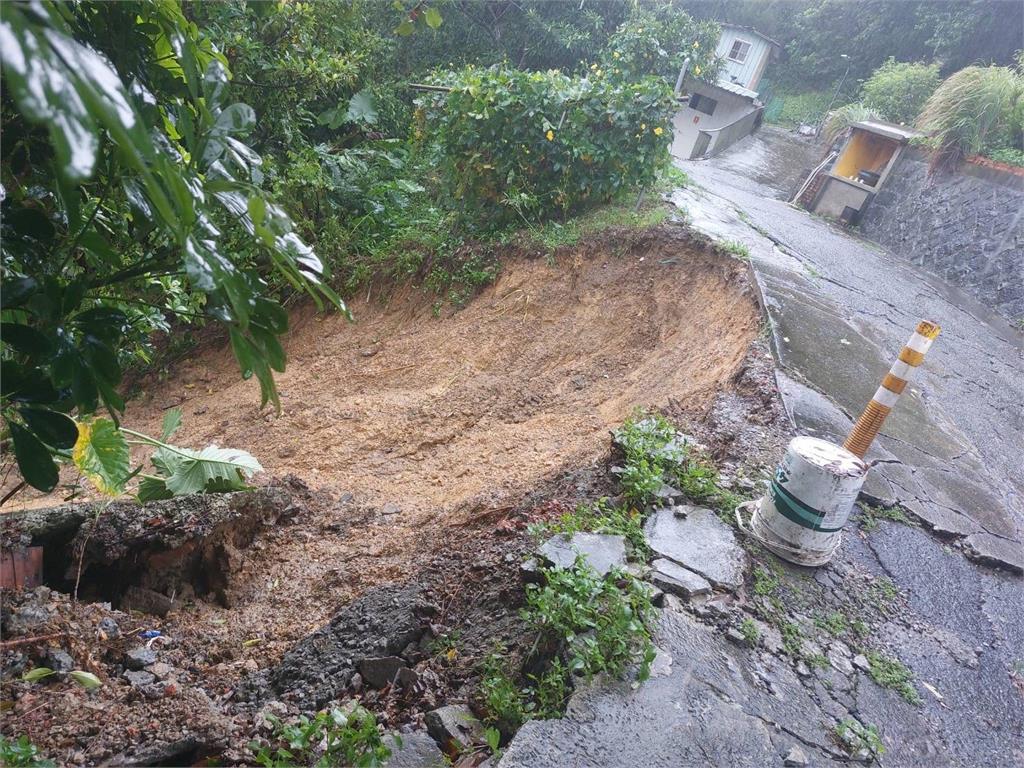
[{"x": 845, "y": 183}]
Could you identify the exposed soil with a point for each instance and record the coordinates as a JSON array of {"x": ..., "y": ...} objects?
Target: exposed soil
[{"x": 429, "y": 442}]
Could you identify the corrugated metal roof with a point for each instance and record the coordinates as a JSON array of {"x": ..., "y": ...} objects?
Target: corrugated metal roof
[
  {"x": 890, "y": 131},
  {"x": 736, "y": 88}
]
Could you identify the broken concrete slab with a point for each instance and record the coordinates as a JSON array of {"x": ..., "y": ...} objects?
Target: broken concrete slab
[
  {"x": 672, "y": 577},
  {"x": 993, "y": 550},
  {"x": 700, "y": 542},
  {"x": 453, "y": 727},
  {"x": 602, "y": 552}
]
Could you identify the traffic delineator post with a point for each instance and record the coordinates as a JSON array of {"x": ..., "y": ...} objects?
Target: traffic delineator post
[{"x": 892, "y": 386}]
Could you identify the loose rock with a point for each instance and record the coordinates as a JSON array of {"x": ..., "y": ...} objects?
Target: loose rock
[
  {"x": 700, "y": 542},
  {"x": 380, "y": 671},
  {"x": 453, "y": 727},
  {"x": 139, "y": 678},
  {"x": 672, "y": 577},
  {"x": 602, "y": 552},
  {"x": 139, "y": 657},
  {"x": 59, "y": 661},
  {"x": 795, "y": 758}
]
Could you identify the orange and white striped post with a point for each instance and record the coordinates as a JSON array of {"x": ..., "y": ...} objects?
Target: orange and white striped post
[{"x": 895, "y": 381}]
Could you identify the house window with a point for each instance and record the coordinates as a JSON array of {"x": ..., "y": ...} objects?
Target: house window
[
  {"x": 703, "y": 104},
  {"x": 739, "y": 51}
]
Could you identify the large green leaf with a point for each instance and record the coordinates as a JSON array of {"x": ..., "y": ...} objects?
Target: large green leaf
[
  {"x": 153, "y": 489},
  {"x": 171, "y": 423},
  {"x": 101, "y": 453},
  {"x": 34, "y": 460},
  {"x": 51, "y": 427},
  {"x": 228, "y": 468},
  {"x": 361, "y": 109}
]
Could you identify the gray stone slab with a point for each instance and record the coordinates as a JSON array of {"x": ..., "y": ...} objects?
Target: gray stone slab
[
  {"x": 672, "y": 577},
  {"x": 992, "y": 550},
  {"x": 701, "y": 542},
  {"x": 602, "y": 552},
  {"x": 417, "y": 750}
]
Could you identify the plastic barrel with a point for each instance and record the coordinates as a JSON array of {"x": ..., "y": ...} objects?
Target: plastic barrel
[{"x": 802, "y": 515}]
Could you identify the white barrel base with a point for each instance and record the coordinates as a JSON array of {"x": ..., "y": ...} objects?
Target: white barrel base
[{"x": 810, "y": 498}]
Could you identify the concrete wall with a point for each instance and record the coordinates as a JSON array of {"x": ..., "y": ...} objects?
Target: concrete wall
[
  {"x": 837, "y": 195},
  {"x": 730, "y": 108},
  {"x": 736, "y": 131},
  {"x": 749, "y": 72},
  {"x": 967, "y": 227}
]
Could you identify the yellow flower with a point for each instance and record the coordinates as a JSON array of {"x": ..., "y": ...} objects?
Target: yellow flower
[
  {"x": 658, "y": 131},
  {"x": 616, "y": 54},
  {"x": 593, "y": 66},
  {"x": 696, "y": 44},
  {"x": 551, "y": 135},
  {"x": 643, "y": 126},
  {"x": 696, "y": 70}
]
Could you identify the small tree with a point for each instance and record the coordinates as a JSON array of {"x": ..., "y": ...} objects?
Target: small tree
[{"x": 898, "y": 90}]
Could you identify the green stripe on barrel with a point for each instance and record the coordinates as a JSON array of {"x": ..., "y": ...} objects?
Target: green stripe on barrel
[{"x": 790, "y": 507}]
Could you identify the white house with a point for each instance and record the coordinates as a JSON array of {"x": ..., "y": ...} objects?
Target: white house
[{"x": 714, "y": 116}]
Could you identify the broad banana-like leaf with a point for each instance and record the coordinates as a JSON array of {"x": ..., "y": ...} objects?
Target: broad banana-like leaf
[
  {"x": 101, "y": 453},
  {"x": 225, "y": 468}
]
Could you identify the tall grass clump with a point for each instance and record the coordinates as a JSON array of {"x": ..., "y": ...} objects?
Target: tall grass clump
[{"x": 974, "y": 110}]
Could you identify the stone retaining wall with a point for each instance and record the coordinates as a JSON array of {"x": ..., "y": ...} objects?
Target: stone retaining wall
[{"x": 967, "y": 227}]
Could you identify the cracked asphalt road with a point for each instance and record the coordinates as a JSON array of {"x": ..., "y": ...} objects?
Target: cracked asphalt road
[{"x": 841, "y": 310}]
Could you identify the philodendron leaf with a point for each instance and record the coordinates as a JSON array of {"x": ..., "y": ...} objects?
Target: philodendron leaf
[
  {"x": 37, "y": 674},
  {"x": 85, "y": 679},
  {"x": 361, "y": 109},
  {"x": 34, "y": 460},
  {"x": 101, "y": 453},
  {"x": 172, "y": 420},
  {"x": 221, "y": 468},
  {"x": 153, "y": 489}
]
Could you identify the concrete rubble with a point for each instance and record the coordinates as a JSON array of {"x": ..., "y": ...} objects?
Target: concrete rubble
[{"x": 695, "y": 538}]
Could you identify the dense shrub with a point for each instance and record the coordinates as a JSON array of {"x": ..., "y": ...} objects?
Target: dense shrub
[
  {"x": 978, "y": 109},
  {"x": 898, "y": 90},
  {"x": 657, "y": 44},
  {"x": 510, "y": 143}
]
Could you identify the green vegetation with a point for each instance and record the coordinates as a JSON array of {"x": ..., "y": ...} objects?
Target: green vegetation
[
  {"x": 898, "y": 90},
  {"x": 597, "y": 624},
  {"x": 765, "y": 581},
  {"x": 792, "y": 638},
  {"x": 892, "y": 673},
  {"x": 792, "y": 108},
  {"x": 21, "y": 752},
  {"x": 843, "y": 117},
  {"x": 601, "y": 517},
  {"x": 853, "y": 736},
  {"x": 166, "y": 166},
  {"x": 736, "y": 248},
  {"x": 654, "y": 456},
  {"x": 348, "y": 736},
  {"x": 976, "y": 110},
  {"x": 871, "y": 515},
  {"x": 591, "y": 138},
  {"x": 750, "y": 632},
  {"x": 835, "y": 623}
]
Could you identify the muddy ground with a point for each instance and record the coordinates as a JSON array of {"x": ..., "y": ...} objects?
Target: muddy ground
[{"x": 416, "y": 450}]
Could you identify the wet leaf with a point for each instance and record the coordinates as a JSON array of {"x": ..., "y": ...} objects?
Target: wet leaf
[
  {"x": 53, "y": 428},
  {"x": 101, "y": 453},
  {"x": 87, "y": 680},
  {"x": 37, "y": 674},
  {"x": 34, "y": 461}
]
